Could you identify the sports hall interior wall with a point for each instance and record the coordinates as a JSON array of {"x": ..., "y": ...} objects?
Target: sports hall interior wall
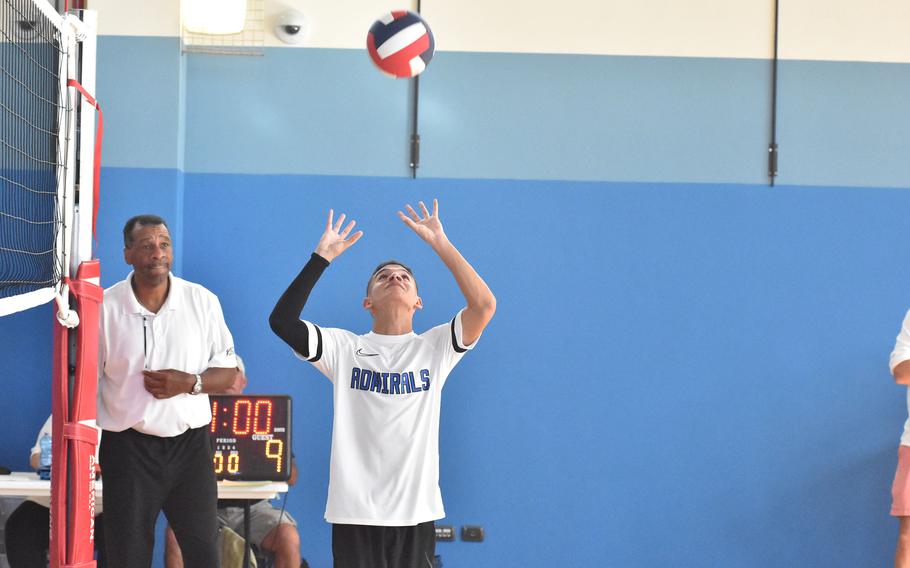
[{"x": 687, "y": 367}]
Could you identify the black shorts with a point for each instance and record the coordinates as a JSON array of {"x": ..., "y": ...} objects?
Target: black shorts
[{"x": 361, "y": 546}]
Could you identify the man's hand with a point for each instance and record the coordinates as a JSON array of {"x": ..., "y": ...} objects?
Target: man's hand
[
  {"x": 168, "y": 382},
  {"x": 428, "y": 227},
  {"x": 334, "y": 241}
]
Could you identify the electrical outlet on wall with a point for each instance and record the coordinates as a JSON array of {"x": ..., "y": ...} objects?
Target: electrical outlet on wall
[
  {"x": 472, "y": 533},
  {"x": 445, "y": 532}
]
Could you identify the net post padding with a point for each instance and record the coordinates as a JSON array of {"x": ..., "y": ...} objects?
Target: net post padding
[
  {"x": 82, "y": 441},
  {"x": 87, "y": 564},
  {"x": 80, "y": 431},
  {"x": 72, "y": 536},
  {"x": 59, "y": 407},
  {"x": 74, "y": 464}
]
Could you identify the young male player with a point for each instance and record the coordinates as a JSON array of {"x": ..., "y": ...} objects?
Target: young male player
[{"x": 384, "y": 475}]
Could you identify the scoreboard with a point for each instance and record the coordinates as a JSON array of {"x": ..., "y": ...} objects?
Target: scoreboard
[{"x": 251, "y": 437}]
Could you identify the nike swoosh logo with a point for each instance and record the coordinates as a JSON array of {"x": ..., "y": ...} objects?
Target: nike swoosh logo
[{"x": 362, "y": 354}]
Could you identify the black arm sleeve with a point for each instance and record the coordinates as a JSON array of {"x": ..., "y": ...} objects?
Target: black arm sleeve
[{"x": 285, "y": 317}]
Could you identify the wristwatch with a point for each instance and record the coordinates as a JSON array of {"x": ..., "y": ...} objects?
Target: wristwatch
[{"x": 197, "y": 387}]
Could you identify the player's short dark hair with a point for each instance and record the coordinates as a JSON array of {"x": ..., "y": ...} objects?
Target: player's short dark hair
[
  {"x": 140, "y": 220},
  {"x": 385, "y": 263}
]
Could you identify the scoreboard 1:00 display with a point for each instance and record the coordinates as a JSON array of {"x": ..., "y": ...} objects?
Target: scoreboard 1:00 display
[
  {"x": 251, "y": 437},
  {"x": 257, "y": 414}
]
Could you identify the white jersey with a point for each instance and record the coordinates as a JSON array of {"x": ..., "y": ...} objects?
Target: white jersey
[{"x": 385, "y": 438}]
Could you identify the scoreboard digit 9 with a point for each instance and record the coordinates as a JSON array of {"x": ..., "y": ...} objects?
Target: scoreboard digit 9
[{"x": 251, "y": 436}]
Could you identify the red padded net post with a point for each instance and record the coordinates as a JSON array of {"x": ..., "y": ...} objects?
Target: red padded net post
[{"x": 72, "y": 537}]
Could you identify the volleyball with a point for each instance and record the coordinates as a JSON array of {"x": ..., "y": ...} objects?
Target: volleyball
[{"x": 401, "y": 44}]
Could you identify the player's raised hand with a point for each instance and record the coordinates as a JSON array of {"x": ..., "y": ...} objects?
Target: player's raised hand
[
  {"x": 334, "y": 240},
  {"x": 427, "y": 225}
]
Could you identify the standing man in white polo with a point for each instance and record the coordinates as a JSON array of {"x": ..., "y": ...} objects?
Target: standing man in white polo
[{"x": 164, "y": 345}]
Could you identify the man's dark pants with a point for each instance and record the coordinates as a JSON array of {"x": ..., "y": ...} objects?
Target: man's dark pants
[{"x": 146, "y": 474}]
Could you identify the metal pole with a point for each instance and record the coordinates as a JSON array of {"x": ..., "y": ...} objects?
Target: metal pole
[
  {"x": 415, "y": 137},
  {"x": 772, "y": 148}
]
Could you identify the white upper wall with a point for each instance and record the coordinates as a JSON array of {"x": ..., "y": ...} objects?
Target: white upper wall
[
  {"x": 137, "y": 17},
  {"x": 848, "y": 30},
  {"x": 698, "y": 28},
  {"x": 842, "y": 30}
]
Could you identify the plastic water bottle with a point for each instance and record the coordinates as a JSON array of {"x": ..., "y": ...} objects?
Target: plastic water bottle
[{"x": 44, "y": 468}]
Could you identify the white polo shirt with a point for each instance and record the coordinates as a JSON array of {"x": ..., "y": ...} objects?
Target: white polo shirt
[{"x": 187, "y": 334}]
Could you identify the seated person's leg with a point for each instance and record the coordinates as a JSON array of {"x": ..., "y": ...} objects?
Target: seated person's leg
[
  {"x": 27, "y": 536},
  {"x": 284, "y": 542},
  {"x": 270, "y": 529}
]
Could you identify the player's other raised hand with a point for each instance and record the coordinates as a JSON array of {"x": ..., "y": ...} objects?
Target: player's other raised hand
[
  {"x": 427, "y": 225},
  {"x": 334, "y": 240}
]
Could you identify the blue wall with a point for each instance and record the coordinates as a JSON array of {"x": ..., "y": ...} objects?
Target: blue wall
[
  {"x": 688, "y": 372},
  {"x": 521, "y": 116},
  {"x": 677, "y": 374},
  {"x": 142, "y": 82},
  {"x": 687, "y": 368}
]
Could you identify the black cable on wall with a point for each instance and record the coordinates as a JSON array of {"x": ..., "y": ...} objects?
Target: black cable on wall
[
  {"x": 415, "y": 137},
  {"x": 772, "y": 147}
]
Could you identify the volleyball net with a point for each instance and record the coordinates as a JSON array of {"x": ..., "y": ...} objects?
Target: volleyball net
[
  {"x": 32, "y": 155},
  {"x": 49, "y": 165}
]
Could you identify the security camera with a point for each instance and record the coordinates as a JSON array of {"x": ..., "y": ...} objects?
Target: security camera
[{"x": 290, "y": 27}]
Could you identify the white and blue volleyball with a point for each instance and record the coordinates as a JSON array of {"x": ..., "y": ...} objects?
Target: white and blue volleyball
[{"x": 401, "y": 44}]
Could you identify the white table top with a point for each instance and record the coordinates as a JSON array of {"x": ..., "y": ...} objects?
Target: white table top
[{"x": 27, "y": 484}]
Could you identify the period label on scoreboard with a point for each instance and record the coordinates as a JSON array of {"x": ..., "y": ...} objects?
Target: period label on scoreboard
[{"x": 251, "y": 437}]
